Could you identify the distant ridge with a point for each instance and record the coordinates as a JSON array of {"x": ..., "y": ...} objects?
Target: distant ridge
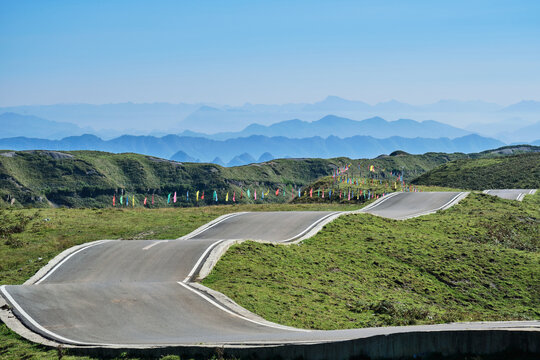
[
  {"x": 344, "y": 127},
  {"x": 207, "y": 149}
]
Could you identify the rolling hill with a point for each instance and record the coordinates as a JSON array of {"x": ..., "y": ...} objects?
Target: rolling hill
[
  {"x": 521, "y": 171},
  {"x": 90, "y": 178}
]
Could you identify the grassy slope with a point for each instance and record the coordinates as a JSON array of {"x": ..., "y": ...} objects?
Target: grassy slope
[
  {"x": 90, "y": 178},
  {"x": 478, "y": 260},
  {"x": 519, "y": 171}
]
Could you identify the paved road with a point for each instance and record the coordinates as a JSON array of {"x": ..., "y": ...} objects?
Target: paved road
[
  {"x": 511, "y": 194},
  {"x": 137, "y": 292},
  {"x": 410, "y": 204}
]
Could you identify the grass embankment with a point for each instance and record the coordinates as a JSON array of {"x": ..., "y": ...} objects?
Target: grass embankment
[
  {"x": 478, "y": 260},
  {"x": 520, "y": 171}
]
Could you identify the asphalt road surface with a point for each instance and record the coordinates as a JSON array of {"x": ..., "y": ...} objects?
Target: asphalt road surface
[
  {"x": 410, "y": 204},
  {"x": 137, "y": 292},
  {"x": 511, "y": 194}
]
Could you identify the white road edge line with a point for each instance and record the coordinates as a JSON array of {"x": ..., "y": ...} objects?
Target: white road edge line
[
  {"x": 154, "y": 244},
  {"x": 433, "y": 210},
  {"x": 209, "y": 225},
  {"x": 67, "y": 258},
  {"x": 311, "y": 226},
  {"x": 35, "y": 323},
  {"x": 377, "y": 203},
  {"x": 233, "y": 313},
  {"x": 198, "y": 263}
]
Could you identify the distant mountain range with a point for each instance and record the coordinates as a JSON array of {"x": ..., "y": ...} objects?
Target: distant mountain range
[
  {"x": 158, "y": 119},
  {"x": 342, "y": 127},
  {"x": 32, "y": 126},
  {"x": 184, "y": 148}
]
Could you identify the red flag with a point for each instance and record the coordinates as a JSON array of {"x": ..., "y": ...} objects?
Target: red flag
[
  {"x": 311, "y": 192},
  {"x": 113, "y": 200},
  {"x": 145, "y": 200},
  {"x": 202, "y": 196},
  {"x": 277, "y": 192},
  {"x": 234, "y": 196},
  {"x": 241, "y": 193},
  {"x": 323, "y": 193}
]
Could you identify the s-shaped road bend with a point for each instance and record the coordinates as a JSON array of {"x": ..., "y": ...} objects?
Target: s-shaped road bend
[{"x": 140, "y": 294}]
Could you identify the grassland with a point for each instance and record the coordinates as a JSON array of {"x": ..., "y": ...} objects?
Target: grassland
[
  {"x": 479, "y": 260},
  {"x": 519, "y": 171}
]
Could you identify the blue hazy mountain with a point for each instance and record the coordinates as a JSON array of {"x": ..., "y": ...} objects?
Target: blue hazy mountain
[
  {"x": 13, "y": 125},
  {"x": 334, "y": 102},
  {"x": 523, "y": 106},
  {"x": 242, "y": 159},
  {"x": 111, "y": 120},
  {"x": 280, "y": 147},
  {"x": 122, "y": 116},
  {"x": 527, "y": 133},
  {"x": 473, "y": 106},
  {"x": 343, "y": 127},
  {"x": 266, "y": 157}
]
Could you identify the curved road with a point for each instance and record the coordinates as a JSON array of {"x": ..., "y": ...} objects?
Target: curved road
[
  {"x": 511, "y": 194},
  {"x": 138, "y": 292}
]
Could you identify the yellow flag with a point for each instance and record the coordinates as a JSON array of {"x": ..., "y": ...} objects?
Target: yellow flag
[
  {"x": 197, "y": 195},
  {"x": 227, "y": 197}
]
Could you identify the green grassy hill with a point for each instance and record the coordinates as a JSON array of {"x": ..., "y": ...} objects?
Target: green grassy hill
[
  {"x": 90, "y": 178},
  {"x": 518, "y": 171}
]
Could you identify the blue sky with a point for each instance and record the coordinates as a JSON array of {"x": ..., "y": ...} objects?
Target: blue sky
[{"x": 232, "y": 52}]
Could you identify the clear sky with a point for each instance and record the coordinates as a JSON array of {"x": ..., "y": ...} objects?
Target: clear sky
[{"x": 231, "y": 52}]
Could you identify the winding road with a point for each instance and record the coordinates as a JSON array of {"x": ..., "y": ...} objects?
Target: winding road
[
  {"x": 511, "y": 194},
  {"x": 139, "y": 293}
]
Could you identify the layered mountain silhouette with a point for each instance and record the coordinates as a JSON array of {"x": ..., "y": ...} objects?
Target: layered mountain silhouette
[
  {"x": 343, "y": 127},
  {"x": 187, "y": 148},
  {"x": 13, "y": 124}
]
